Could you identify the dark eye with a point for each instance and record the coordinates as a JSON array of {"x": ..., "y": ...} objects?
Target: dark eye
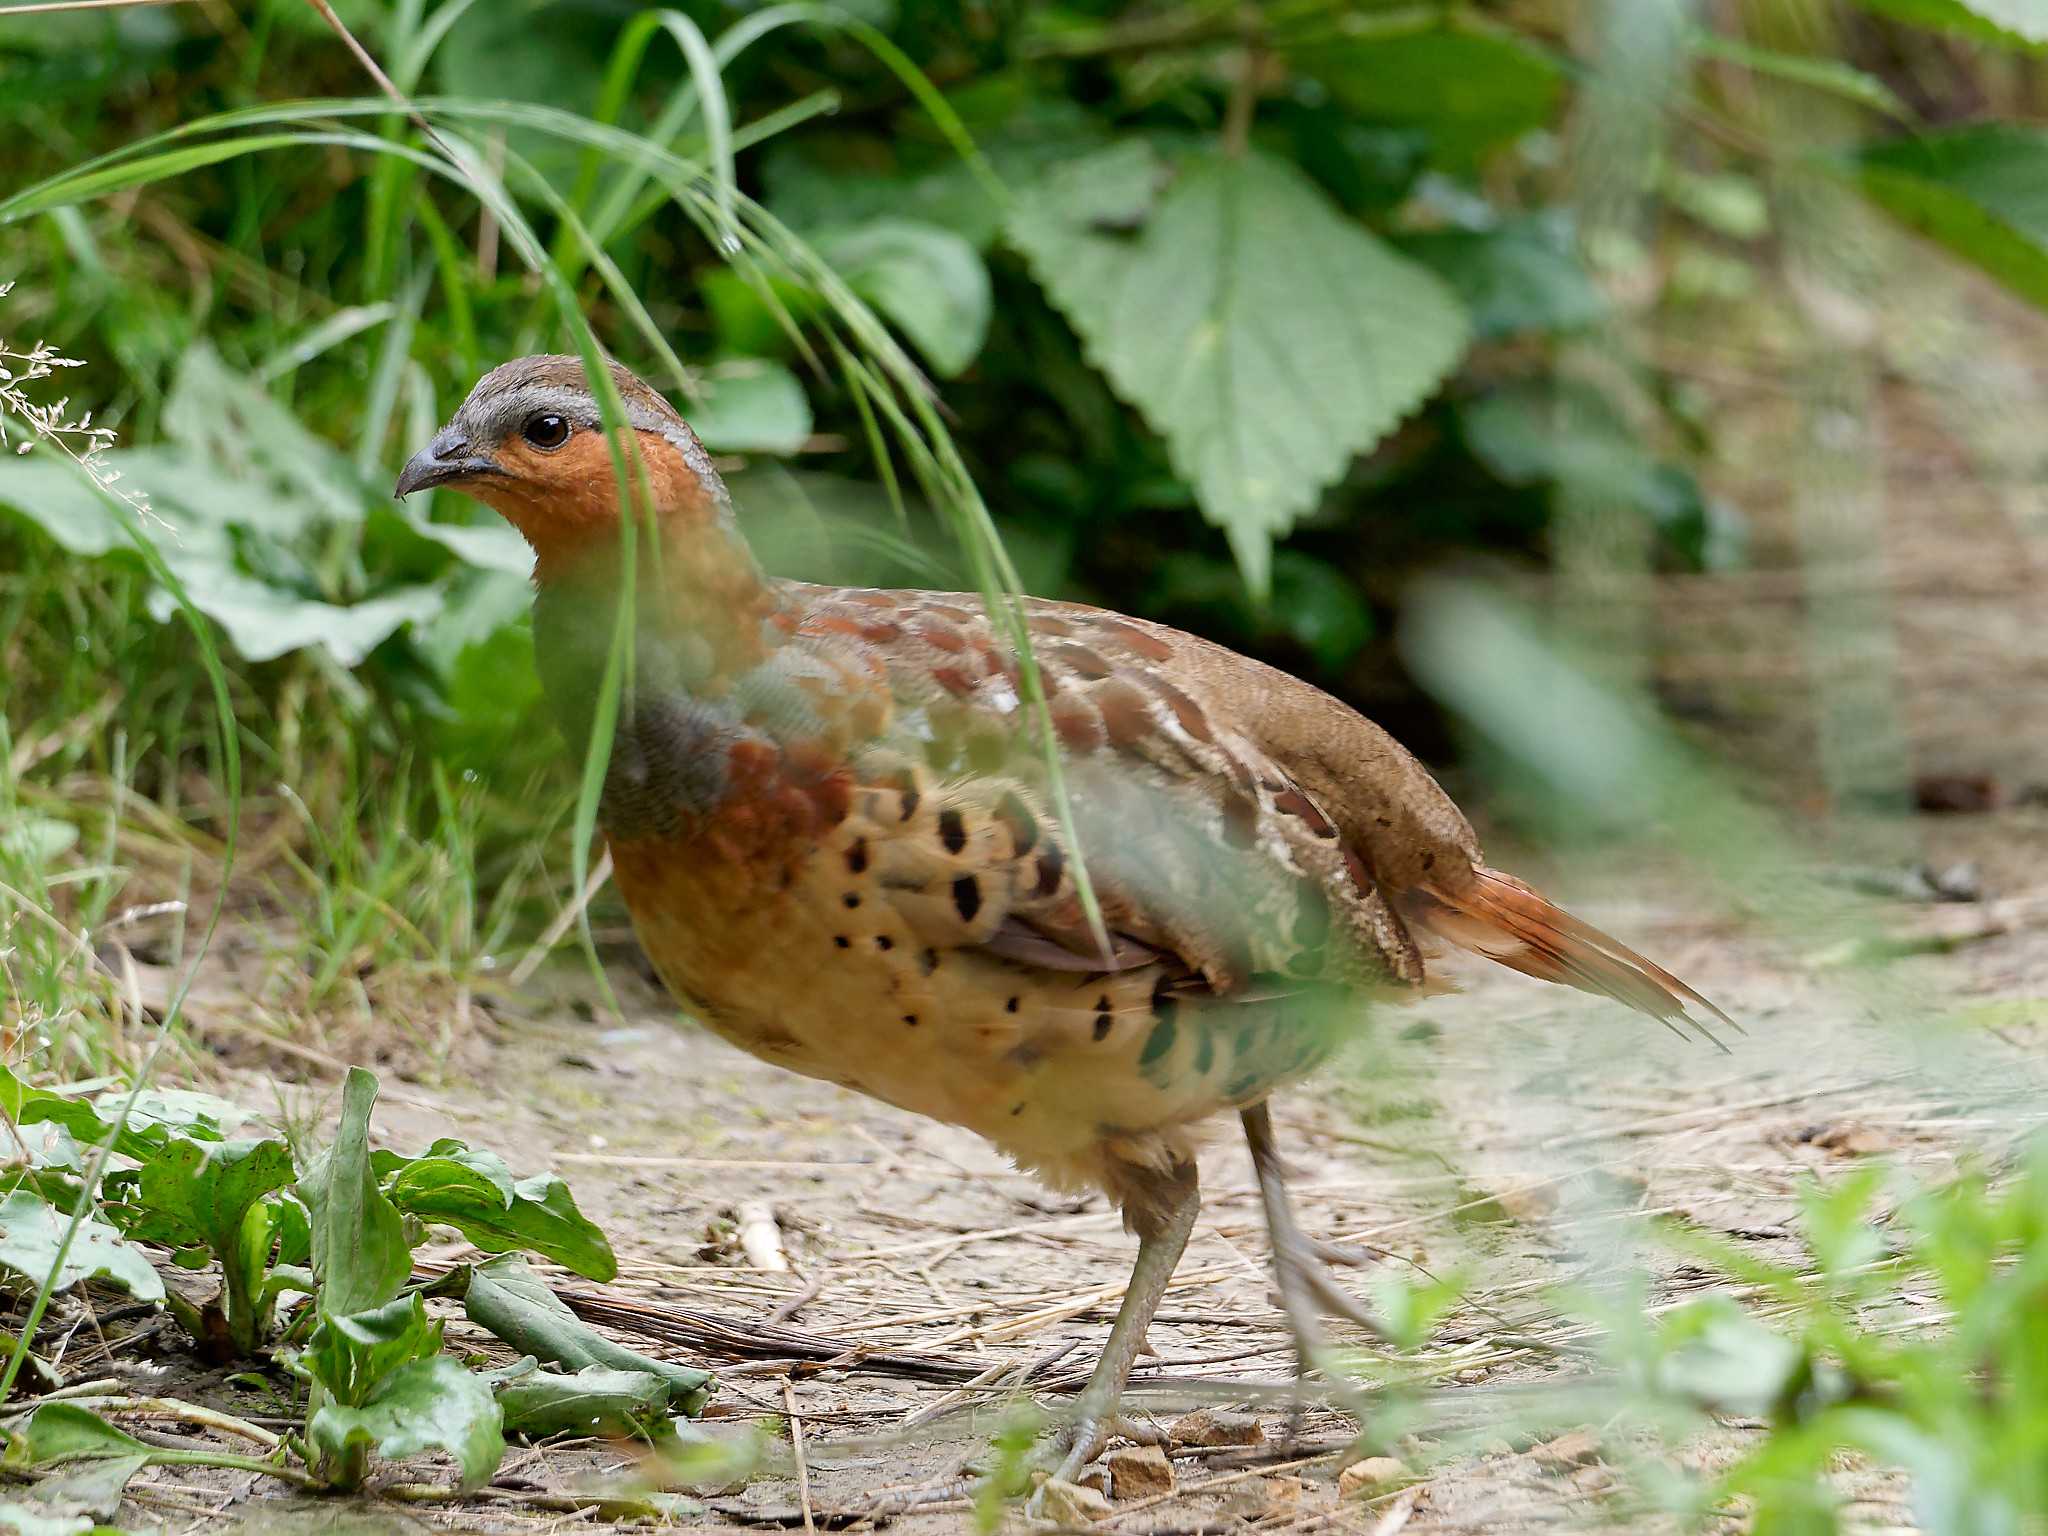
[{"x": 546, "y": 430}]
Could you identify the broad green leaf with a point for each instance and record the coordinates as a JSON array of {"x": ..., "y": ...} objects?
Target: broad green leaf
[
  {"x": 1314, "y": 604},
  {"x": 2008, "y": 23},
  {"x": 226, "y": 421},
  {"x": 1467, "y": 83},
  {"x": 39, "y": 1106},
  {"x": 511, "y": 1302},
  {"x": 929, "y": 281},
  {"x": 58, "y": 497},
  {"x": 352, "y": 1356},
  {"x": 1982, "y": 191},
  {"x": 1267, "y": 338},
  {"x": 820, "y": 181},
  {"x": 207, "y": 1188},
  {"x": 427, "y": 1405},
  {"x": 751, "y": 405},
  {"x": 594, "y": 1401},
  {"x": 55, "y": 1433},
  {"x": 359, "y": 1247},
  {"x": 202, "y": 1116},
  {"x": 493, "y": 691},
  {"x": 37, "y": 841},
  {"x": 91, "y": 1488},
  {"x": 31, "y": 1231},
  {"x": 475, "y": 1193},
  {"x": 1572, "y": 438},
  {"x": 1523, "y": 276},
  {"x": 263, "y": 622},
  {"x": 492, "y": 546}
]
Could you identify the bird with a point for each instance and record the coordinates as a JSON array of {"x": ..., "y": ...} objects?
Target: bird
[{"x": 832, "y": 815}]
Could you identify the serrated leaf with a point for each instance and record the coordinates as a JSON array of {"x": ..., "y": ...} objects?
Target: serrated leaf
[
  {"x": 358, "y": 1238},
  {"x": 426, "y": 1405},
  {"x": 475, "y": 1193},
  {"x": 931, "y": 282},
  {"x": 751, "y": 405},
  {"x": 1267, "y": 338},
  {"x": 508, "y": 1300},
  {"x": 31, "y": 1231},
  {"x": 490, "y": 546},
  {"x": 1466, "y": 82},
  {"x": 1981, "y": 191}
]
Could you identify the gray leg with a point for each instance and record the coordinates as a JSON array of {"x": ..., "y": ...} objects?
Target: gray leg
[
  {"x": 1305, "y": 1287},
  {"x": 1161, "y": 1239}
]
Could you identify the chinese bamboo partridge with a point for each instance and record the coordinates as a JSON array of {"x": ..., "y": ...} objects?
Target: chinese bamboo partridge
[{"x": 828, "y": 813}]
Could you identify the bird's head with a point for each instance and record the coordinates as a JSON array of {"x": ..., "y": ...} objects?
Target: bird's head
[{"x": 529, "y": 442}]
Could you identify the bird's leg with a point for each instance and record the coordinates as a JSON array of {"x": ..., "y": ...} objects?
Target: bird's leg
[
  {"x": 1162, "y": 1235},
  {"x": 1305, "y": 1286}
]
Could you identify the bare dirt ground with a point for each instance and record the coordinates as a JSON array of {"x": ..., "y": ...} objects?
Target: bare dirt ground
[{"x": 1513, "y": 1132}]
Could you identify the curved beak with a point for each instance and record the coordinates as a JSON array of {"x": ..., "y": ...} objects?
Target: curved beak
[{"x": 447, "y": 460}]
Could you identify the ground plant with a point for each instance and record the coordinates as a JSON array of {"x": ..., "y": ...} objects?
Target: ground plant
[{"x": 1255, "y": 319}]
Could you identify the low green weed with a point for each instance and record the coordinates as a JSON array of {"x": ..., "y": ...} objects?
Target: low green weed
[
  {"x": 316, "y": 1275},
  {"x": 1915, "y": 1338}
]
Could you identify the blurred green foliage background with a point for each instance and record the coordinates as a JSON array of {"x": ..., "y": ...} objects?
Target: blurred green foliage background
[
  {"x": 1240, "y": 313},
  {"x": 1239, "y": 316}
]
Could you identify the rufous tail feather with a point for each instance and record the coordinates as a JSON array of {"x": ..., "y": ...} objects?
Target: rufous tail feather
[{"x": 1505, "y": 920}]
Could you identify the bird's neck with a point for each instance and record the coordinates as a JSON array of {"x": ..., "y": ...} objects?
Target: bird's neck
[{"x": 697, "y": 595}]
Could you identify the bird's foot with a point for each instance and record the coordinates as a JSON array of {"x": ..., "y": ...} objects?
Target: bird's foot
[
  {"x": 1307, "y": 1289},
  {"x": 1080, "y": 1443},
  {"x": 1086, "y": 1439}
]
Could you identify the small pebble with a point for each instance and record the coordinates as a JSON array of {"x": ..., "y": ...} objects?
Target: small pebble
[
  {"x": 1071, "y": 1504},
  {"x": 1369, "y": 1475},
  {"x": 1205, "y": 1426},
  {"x": 1283, "y": 1491},
  {"x": 1138, "y": 1472},
  {"x": 1570, "y": 1450}
]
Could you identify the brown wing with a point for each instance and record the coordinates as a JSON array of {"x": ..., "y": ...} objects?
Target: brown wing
[
  {"x": 1202, "y": 848},
  {"x": 1234, "y": 817}
]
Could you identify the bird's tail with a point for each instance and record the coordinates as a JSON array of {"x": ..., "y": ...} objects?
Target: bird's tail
[{"x": 1501, "y": 918}]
